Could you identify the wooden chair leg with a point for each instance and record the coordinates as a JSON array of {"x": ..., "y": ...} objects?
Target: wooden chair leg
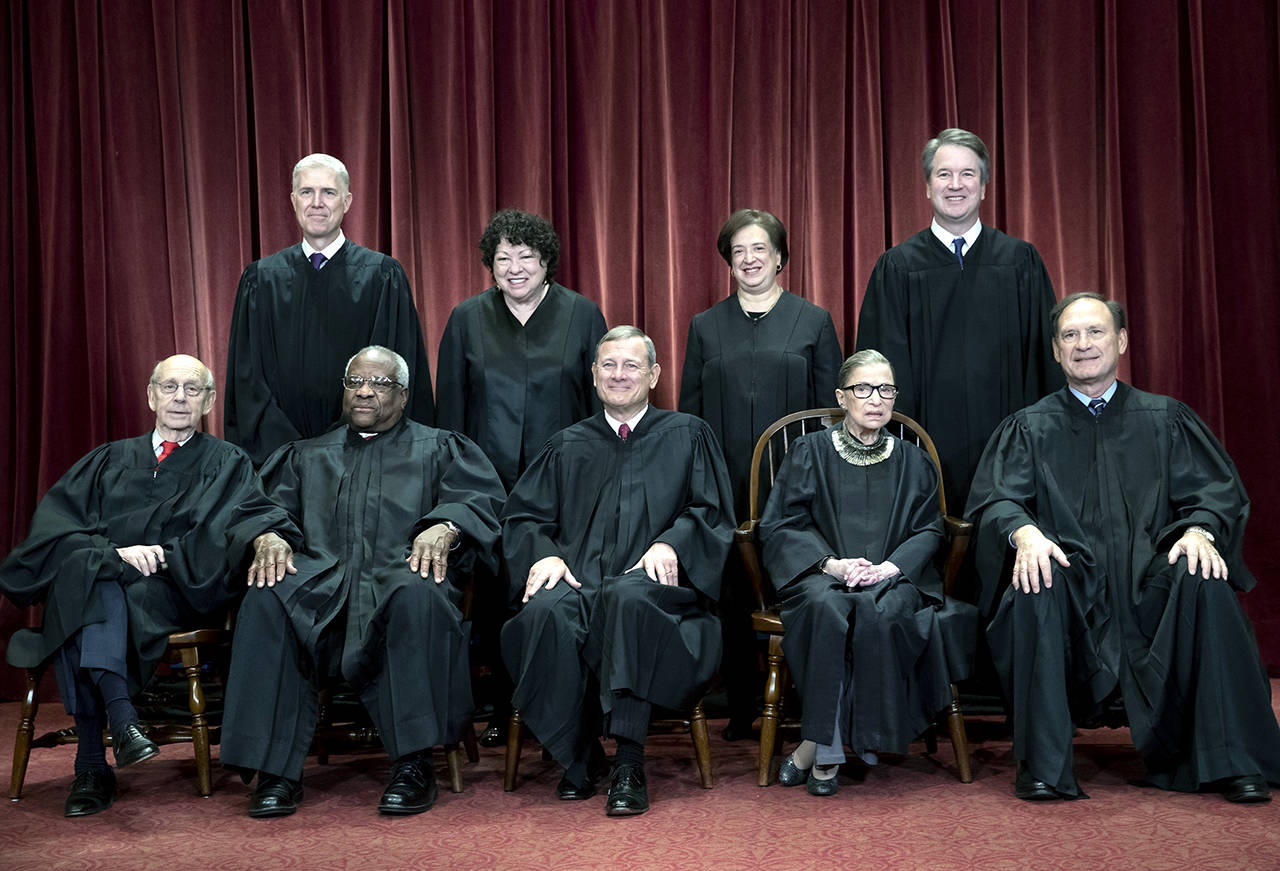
[
  {"x": 469, "y": 742},
  {"x": 26, "y": 732},
  {"x": 701, "y": 745},
  {"x": 772, "y": 713},
  {"x": 959, "y": 738},
  {"x": 199, "y": 724},
  {"x": 453, "y": 758},
  {"x": 515, "y": 738}
]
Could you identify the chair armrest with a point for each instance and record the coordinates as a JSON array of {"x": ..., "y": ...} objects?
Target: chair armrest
[
  {"x": 958, "y": 534},
  {"x": 744, "y": 537}
]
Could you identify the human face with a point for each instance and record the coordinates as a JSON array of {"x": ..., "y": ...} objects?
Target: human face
[
  {"x": 623, "y": 377},
  {"x": 177, "y": 413},
  {"x": 519, "y": 271},
  {"x": 365, "y": 409},
  {"x": 1089, "y": 346},
  {"x": 864, "y": 417},
  {"x": 320, "y": 201},
  {"x": 955, "y": 188},
  {"x": 754, "y": 262}
]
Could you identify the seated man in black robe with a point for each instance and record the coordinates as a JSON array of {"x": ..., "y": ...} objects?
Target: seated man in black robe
[
  {"x": 134, "y": 542},
  {"x": 1118, "y": 517},
  {"x": 302, "y": 311},
  {"x": 362, "y": 585},
  {"x": 633, "y": 511}
]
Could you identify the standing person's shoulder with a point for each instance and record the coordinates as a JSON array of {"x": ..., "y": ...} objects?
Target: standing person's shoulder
[
  {"x": 286, "y": 260},
  {"x": 358, "y": 257}
]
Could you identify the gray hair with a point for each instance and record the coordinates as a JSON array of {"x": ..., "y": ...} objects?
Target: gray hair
[
  {"x": 625, "y": 331},
  {"x": 1113, "y": 306},
  {"x": 402, "y": 368},
  {"x": 322, "y": 161},
  {"x": 963, "y": 138},
  {"x": 865, "y": 357}
]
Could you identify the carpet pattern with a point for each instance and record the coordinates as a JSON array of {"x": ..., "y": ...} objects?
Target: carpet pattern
[{"x": 905, "y": 813}]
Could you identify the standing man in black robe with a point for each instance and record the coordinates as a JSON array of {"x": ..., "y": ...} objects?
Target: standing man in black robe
[
  {"x": 633, "y": 511},
  {"x": 362, "y": 585},
  {"x": 136, "y": 541},
  {"x": 1109, "y": 530},
  {"x": 961, "y": 311},
  {"x": 302, "y": 312}
]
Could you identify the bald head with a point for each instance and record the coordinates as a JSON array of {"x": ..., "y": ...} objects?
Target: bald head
[{"x": 180, "y": 392}]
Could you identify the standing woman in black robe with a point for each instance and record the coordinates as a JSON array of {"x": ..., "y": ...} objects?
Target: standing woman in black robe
[
  {"x": 849, "y": 534},
  {"x": 514, "y": 369},
  {"x": 752, "y": 358}
]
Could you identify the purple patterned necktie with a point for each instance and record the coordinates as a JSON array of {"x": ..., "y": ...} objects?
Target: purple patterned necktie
[{"x": 317, "y": 260}]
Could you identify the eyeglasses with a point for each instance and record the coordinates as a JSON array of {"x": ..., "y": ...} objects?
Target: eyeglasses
[
  {"x": 379, "y": 385},
  {"x": 631, "y": 367},
  {"x": 168, "y": 388},
  {"x": 862, "y": 390}
]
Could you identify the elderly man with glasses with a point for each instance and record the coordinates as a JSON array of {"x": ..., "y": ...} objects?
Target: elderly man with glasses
[
  {"x": 138, "y": 540},
  {"x": 363, "y": 586}
]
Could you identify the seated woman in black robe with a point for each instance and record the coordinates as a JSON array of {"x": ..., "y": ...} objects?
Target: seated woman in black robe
[{"x": 849, "y": 533}]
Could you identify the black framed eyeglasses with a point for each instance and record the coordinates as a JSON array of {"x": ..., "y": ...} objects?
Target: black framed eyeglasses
[
  {"x": 379, "y": 385},
  {"x": 862, "y": 390}
]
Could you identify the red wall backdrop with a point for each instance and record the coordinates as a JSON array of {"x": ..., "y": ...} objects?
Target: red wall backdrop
[{"x": 1134, "y": 143}]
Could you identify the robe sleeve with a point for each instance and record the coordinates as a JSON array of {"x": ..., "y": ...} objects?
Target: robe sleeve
[
  {"x": 827, "y": 360},
  {"x": 702, "y": 532},
  {"x": 531, "y": 518},
  {"x": 470, "y": 494},
  {"x": 1002, "y": 498},
  {"x": 452, "y": 376},
  {"x": 1205, "y": 490},
  {"x": 691, "y": 374},
  {"x": 792, "y": 542},
  {"x": 406, "y": 340},
  {"x": 882, "y": 325},
  {"x": 254, "y": 419},
  {"x": 920, "y": 533},
  {"x": 1042, "y": 375},
  {"x": 67, "y": 528}
]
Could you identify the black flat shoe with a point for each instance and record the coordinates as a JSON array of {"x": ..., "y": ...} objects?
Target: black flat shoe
[
  {"x": 628, "y": 795},
  {"x": 1027, "y": 788},
  {"x": 493, "y": 736},
  {"x": 789, "y": 774},
  {"x": 1246, "y": 789},
  {"x": 275, "y": 796},
  {"x": 822, "y": 788},
  {"x": 91, "y": 792},
  {"x": 412, "y": 789},
  {"x": 131, "y": 746}
]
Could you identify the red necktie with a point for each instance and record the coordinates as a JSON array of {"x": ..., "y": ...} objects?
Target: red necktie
[
  {"x": 623, "y": 432},
  {"x": 166, "y": 448}
]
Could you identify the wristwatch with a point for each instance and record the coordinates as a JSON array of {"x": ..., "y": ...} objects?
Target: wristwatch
[
  {"x": 1200, "y": 530},
  {"x": 457, "y": 533}
]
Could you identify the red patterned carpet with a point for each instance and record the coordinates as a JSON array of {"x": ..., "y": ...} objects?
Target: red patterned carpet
[{"x": 903, "y": 814}]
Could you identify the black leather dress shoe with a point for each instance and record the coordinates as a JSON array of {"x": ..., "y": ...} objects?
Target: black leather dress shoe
[
  {"x": 597, "y": 770},
  {"x": 1246, "y": 789},
  {"x": 91, "y": 792},
  {"x": 131, "y": 746},
  {"x": 790, "y": 774},
  {"x": 412, "y": 789},
  {"x": 493, "y": 736},
  {"x": 1027, "y": 788},
  {"x": 274, "y": 796},
  {"x": 628, "y": 795}
]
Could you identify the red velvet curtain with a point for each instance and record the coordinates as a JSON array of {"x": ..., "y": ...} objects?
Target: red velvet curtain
[{"x": 151, "y": 145}]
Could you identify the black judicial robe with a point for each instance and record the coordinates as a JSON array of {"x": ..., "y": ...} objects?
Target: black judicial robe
[
  {"x": 1115, "y": 493},
  {"x": 894, "y": 669},
  {"x": 968, "y": 346},
  {"x": 599, "y": 503},
  {"x": 292, "y": 332},
  {"x": 510, "y": 386},
  {"x": 743, "y": 373},
  {"x": 359, "y": 504},
  {"x": 202, "y": 504}
]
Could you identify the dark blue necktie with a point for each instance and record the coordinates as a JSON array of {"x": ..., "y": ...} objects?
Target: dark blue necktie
[
  {"x": 1096, "y": 406},
  {"x": 958, "y": 244},
  {"x": 317, "y": 260}
]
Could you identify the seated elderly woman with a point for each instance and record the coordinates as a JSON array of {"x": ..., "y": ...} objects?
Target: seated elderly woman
[{"x": 849, "y": 534}]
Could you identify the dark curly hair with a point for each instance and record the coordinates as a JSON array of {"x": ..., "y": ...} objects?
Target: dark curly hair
[{"x": 521, "y": 228}]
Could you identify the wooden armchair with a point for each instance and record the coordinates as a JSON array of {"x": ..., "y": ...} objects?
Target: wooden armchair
[
  {"x": 184, "y": 648},
  {"x": 765, "y": 463}
]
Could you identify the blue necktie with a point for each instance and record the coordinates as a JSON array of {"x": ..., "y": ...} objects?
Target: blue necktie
[
  {"x": 1096, "y": 406},
  {"x": 317, "y": 260},
  {"x": 958, "y": 244}
]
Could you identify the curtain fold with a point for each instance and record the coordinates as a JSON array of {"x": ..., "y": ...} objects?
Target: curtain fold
[{"x": 151, "y": 146}]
